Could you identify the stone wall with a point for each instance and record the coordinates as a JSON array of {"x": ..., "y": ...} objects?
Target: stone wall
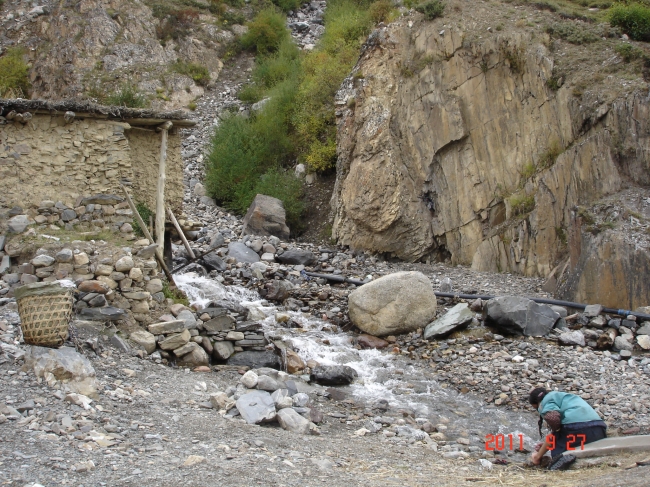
[{"x": 49, "y": 159}]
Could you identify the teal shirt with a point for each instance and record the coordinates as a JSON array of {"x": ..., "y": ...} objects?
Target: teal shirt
[{"x": 572, "y": 408}]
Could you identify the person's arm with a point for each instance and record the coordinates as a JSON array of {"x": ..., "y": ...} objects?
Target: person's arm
[
  {"x": 536, "y": 457},
  {"x": 553, "y": 420}
]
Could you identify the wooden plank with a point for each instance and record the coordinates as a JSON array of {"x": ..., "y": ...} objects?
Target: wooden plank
[
  {"x": 160, "y": 195},
  {"x": 180, "y": 232}
]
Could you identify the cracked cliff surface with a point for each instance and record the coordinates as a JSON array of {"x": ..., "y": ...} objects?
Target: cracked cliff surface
[{"x": 457, "y": 146}]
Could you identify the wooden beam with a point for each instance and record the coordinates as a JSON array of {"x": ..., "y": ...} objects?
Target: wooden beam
[
  {"x": 180, "y": 232},
  {"x": 160, "y": 195},
  {"x": 145, "y": 230}
]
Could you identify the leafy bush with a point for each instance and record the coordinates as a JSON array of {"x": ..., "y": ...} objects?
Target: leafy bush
[
  {"x": 634, "y": 19},
  {"x": 127, "y": 96},
  {"x": 175, "y": 24},
  {"x": 380, "y": 11},
  {"x": 575, "y": 33},
  {"x": 431, "y": 9},
  {"x": 266, "y": 32},
  {"x": 197, "y": 72},
  {"x": 13, "y": 74},
  {"x": 629, "y": 52}
]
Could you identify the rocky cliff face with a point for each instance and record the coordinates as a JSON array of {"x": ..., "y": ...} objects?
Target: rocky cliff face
[
  {"x": 92, "y": 47},
  {"x": 451, "y": 146}
]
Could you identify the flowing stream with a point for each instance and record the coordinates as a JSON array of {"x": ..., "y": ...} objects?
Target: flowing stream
[{"x": 382, "y": 376}]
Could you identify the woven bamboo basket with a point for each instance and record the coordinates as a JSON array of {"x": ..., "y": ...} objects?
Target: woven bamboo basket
[{"x": 45, "y": 310}]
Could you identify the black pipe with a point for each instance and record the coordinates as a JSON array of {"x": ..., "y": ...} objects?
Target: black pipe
[{"x": 568, "y": 304}]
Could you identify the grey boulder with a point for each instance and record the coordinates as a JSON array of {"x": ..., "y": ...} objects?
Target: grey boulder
[
  {"x": 456, "y": 318},
  {"x": 266, "y": 216},
  {"x": 255, "y": 359},
  {"x": 290, "y": 420},
  {"x": 19, "y": 223},
  {"x": 521, "y": 316},
  {"x": 214, "y": 262},
  {"x": 394, "y": 304},
  {"x": 297, "y": 257},
  {"x": 222, "y": 350},
  {"x": 572, "y": 338},
  {"x": 239, "y": 251},
  {"x": 621, "y": 343},
  {"x": 217, "y": 240},
  {"x": 333, "y": 375},
  {"x": 256, "y": 407}
]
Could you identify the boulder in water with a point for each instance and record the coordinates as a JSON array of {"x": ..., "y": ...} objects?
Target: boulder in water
[
  {"x": 333, "y": 375},
  {"x": 255, "y": 359},
  {"x": 397, "y": 303}
]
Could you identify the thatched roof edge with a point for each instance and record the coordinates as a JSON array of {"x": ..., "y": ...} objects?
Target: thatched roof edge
[{"x": 60, "y": 107}]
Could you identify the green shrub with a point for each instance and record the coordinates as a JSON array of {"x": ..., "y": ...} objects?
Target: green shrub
[
  {"x": 521, "y": 204},
  {"x": 126, "y": 96},
  {"x": 145, "y": 213},
  {"x": 197, "y": 72},
  {"x": 633, "y": 19},
  {"x": 380, "y": 11},
  {"x": 175, "y": 24},
  {"x": 629, "y": 52},
  {"x": 14, "y": 82},
  {"x": 549, "y": 156},
  {"x": 286, "y": 5},
  {"x": 575, "y": 33},
  {"x": 266, "y": 32},
  {"x": 431, "y": 9}
]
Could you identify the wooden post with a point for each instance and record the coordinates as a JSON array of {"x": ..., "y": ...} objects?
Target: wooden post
[
  {"x": 145, "y": 230},
  {"x": 180, "y": 232},
  {"x": 160, "y": 196}
]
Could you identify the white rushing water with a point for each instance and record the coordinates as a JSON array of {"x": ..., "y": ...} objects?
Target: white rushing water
[{"x": 383, "y": 376}]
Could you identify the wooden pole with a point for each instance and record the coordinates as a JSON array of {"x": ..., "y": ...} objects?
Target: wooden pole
[
  {"x": 145, "y": 230},
  {"x": 160, "y": 195},
  {"x": 180, "y": 232}
]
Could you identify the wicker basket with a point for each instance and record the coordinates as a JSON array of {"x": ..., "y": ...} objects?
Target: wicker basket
[{"x": 45, "y": 310}]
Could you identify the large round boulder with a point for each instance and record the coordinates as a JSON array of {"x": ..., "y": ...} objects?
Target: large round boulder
[{"x": 397, "y": 303}]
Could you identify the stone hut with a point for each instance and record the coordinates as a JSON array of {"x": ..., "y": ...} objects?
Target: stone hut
[{"x": 62, "y": 151}]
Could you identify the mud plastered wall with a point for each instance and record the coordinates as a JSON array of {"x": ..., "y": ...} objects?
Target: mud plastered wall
[{"x": 49, "y": 159}]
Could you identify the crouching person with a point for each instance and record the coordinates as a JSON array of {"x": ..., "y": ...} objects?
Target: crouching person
[{"x": 572, "y": 421}]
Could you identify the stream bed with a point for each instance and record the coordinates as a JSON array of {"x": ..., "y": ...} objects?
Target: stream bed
[{"x": 383, "y": 377}]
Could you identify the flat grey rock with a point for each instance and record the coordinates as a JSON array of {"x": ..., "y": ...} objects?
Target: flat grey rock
[
  {"x": 222, "y": 350},
  {"x": 188, "y": 318},
  {"x": 103, "y": 314},
  {"x": 239, "y": 251},
  {"x": 256, "y": 407},
  {"x": 19, "y": 223},
  {"x": 148, "y": 252},
  {"x": 102, "y": 199},
  {"x": 456, "y": 318}
]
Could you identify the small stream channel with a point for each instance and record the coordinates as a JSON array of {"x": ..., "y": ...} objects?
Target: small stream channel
[{"x": 382, "y": 376}]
